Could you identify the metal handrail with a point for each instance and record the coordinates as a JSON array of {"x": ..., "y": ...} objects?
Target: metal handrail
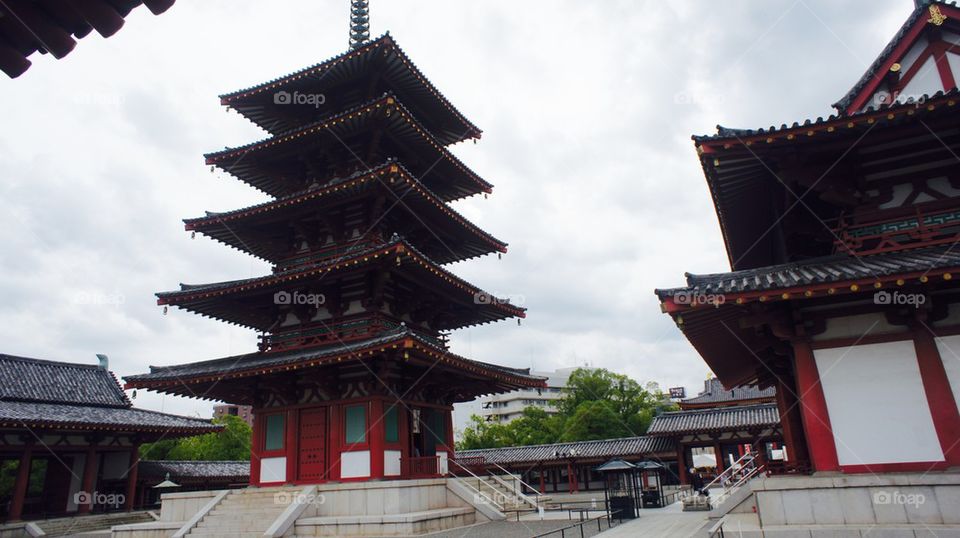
[
  {"x": 517, "y": 494},
  {"x": 519, "y": 479},
  {"x": 479, "y": 482},
  {"x": 563, "y": 530},
  {"x": 723, "y": 477}
]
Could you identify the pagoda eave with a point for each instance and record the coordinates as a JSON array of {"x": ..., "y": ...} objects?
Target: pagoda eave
[
  {"x": 231, "y": 228},
  {"x": 382, "y": 113},
  {"x": 258, "y": 105}
]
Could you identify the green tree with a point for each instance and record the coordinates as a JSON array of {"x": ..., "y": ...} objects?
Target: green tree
[
  {"x": 482, "y": 434},
  {"x": 594, "y": 419},
  {"x": 230, "y": 443},
  {"x": 596, "y": 404}
]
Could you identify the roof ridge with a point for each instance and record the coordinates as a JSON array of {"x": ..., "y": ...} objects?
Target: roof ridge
[{"x": 4, "y": 356}]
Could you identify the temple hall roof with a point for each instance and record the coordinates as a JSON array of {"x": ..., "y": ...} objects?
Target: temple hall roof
[
  {"x": 716, "y": 419},
  {"x": 39, "y": 393}
]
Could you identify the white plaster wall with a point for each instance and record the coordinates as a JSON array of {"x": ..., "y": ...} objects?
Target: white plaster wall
[
  {"x": 857, "y": 326},
  {"x": 355, "y": 464},
  {"x": 926, "y": 82},
  {"x": 273, "y": 469},
  {"x": 391, "y": 462},
  {"x": 913, "y": 54},
  {"x": 949, "y": 347},
  {"x": 878, "y": 409},
  {"x": 954, "y": 61},
  {"x": 443, "y": 462}
]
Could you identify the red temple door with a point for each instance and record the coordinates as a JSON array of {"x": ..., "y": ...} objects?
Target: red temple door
[{"x": 312, "y": 449}]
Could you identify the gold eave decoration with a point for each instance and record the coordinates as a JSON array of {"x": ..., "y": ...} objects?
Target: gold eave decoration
[{"x": 936, "y": 17}]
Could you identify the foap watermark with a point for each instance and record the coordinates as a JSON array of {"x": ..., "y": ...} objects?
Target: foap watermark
[
  {"x": 898, "y": 298},
  {"x": 886, "y": 98},
  {"x": 482, "y": 297},
  {"x": 693, "y": 298},
  {"x": 702, "y": 99},
  {"x": 899, "y": 497},
  {"x": 295, "y": 497},
  {"x": 297, "y": 98},
  {"x": 494, "y": 497},
  {"x": 96, "y": 498},
  {"x": 93, "y": 298},
  {"x": 297, "y": 298}
]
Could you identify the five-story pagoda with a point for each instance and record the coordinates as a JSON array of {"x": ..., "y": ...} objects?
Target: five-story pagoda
[{"x": 353, "y": 379}]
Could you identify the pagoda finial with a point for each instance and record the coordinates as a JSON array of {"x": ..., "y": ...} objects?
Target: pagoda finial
[{"x": 359, "y": 22}]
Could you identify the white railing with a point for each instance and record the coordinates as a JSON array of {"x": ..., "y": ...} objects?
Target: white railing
[
  {"x": 517, "y": 494},
  {"x": 537, "y": 493},
  {"x": 480, "y": 483},
  {"x": 737, "y": 474}
]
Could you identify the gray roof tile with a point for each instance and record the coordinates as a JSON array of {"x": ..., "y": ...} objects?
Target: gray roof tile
[{"x": 715, "y": 419}]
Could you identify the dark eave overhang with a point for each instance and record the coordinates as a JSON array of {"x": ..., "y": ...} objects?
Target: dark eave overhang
[
  {"x": 206, "y": 299},
  {"x": 227, "y": 227},
  {"x": 53, "y": 26},
  {"x": 172, "y": 379},
  {"x": 457, "y": 180}
]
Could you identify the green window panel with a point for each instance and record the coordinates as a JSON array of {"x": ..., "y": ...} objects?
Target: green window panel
[
  {"x": 391, "y": 424},
  {"x": 355, "y": 422},
  {"x": 273, "y": 435}
]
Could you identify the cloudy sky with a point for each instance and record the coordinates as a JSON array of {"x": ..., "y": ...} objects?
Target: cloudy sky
[{"x": 587, "y": 110}]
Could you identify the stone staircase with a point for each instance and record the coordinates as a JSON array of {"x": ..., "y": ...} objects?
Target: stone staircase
[
  {"x": 501, "y": 492},
  {"x": 245, "y": 513}
]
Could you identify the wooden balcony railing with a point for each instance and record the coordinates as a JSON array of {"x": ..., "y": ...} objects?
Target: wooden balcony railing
[
  {"x": 421, "y": 466},
  {"x": 876, "y": 233}
]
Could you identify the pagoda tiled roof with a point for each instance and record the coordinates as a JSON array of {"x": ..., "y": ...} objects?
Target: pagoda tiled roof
[
  {"x": 495, "y": 307},
  {"x": 408, "y": 82},
  {"x": 673, "y": 423},
  {"x": 715, "y": 393},
  {"x": 839, "y": 268},
  {"x": 217, "y": 225},
  {"x": 445, "y": 165},
  {"x": 186, "y": 469},
  {"x": 641, "y": 446},
  {"x": 40, "y": 393},
  {"x": 260, "y": 362}
]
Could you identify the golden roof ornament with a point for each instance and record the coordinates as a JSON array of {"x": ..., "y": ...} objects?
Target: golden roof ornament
[{"x": 936, "y": 17}]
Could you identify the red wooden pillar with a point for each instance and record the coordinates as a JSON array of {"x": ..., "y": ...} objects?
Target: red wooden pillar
[
  {"x": 791, "y": 422},
  {"x": 543, "y": 482},
  {"x": 682, "y": 464},
  {"x": 570, "y": 478},
  {"x": 813, "y": 409},
  {"x": 20, "y": 484},
  {"x": 718, "y": 455},
  {"x": 334, "y": 443},
  {"x": 449, "y": 422},
  {"x": 291, "y": 440},
  {"x": 377, "y": 435},
  {"x": 128, "y": 501},
  {"x": 936, "y": 385},
  {"x": 256, "y": 442},
  {"x": 89, "y": 478}
]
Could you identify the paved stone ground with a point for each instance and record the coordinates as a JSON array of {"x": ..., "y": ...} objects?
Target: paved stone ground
[{"x": 514, "y": 529}]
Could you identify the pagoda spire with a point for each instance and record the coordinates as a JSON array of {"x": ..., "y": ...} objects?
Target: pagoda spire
[{"x": 359, "y": 22}]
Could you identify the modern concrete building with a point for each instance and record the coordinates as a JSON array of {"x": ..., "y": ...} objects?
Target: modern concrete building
[{"x": 509, "y": 406}]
